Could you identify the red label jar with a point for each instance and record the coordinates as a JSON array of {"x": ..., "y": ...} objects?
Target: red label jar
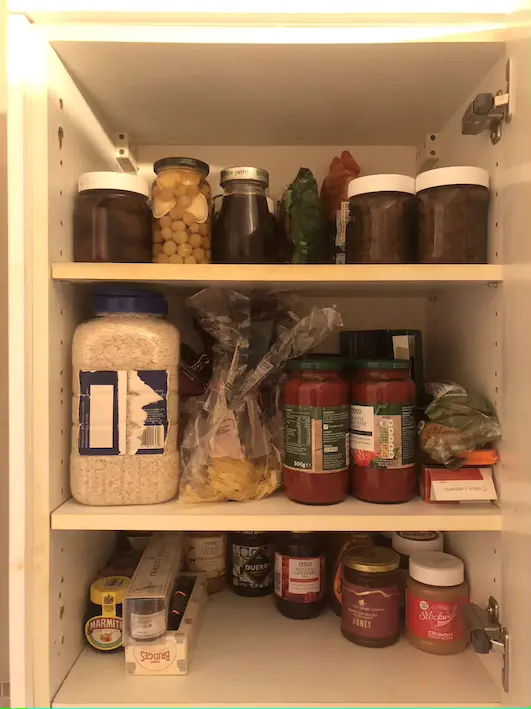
[
  {"x": 316, "y": 431},
  {"x": 300, "y": 567},
  {"x": 436, "y": 592},
  {"x": 383, "y": 432},
  {"x": 370, "y": 604}
]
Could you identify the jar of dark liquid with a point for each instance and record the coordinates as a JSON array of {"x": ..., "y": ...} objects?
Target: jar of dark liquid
[
  {"x": 244, "y": 231},
  {"x": 112, "y": 219}
]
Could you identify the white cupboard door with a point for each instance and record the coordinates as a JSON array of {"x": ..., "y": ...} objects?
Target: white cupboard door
[
  {"x": 26, "y": 151},
  {"x": 515, "y": 472}
]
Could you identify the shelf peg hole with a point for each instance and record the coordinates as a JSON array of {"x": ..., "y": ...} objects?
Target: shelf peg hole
[
  {"x": 61, "y": 612},
  {"x": 61, "y": 104},
  {"x": 60, "y": 136}
]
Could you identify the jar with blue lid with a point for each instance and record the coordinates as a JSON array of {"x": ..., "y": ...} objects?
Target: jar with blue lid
[{"x": 125, "y": 401}]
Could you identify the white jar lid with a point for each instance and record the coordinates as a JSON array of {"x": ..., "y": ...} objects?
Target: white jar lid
[
  {"x": 435, "y": 568},
  {"x": 113, "y": 181},
  {"x": 381, "y": 183},
  {"x": 408, "y": 543},
  {"x": 442, "y": 176}
]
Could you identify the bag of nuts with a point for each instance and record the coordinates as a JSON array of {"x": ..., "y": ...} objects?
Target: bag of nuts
[{"x": 181, "y": 199}]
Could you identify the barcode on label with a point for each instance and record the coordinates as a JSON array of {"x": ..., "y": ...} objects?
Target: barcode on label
[{"x": 153, "y": 437}]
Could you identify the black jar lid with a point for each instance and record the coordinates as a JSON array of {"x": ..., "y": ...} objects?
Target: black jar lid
[
  {"x": 190, "y": 163},
  {"x": 372, "y": 560}
]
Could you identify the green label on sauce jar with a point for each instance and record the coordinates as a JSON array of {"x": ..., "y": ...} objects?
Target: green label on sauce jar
[
  {"x": 383, "y": 436},
  {"x": 316, "y": 438}
]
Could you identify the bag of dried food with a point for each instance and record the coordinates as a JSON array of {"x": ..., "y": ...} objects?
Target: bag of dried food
[
  {"x": 230, "y": 449},
  {"x": 301, "y": 216},
  {"x": 457, "y": 423},
  {"x": 334, "y": 200}
]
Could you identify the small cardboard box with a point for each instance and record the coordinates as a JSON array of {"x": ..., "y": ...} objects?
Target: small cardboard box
[
  {"x": 471, "y": 484},
  {"x": 170, "y": 655}
]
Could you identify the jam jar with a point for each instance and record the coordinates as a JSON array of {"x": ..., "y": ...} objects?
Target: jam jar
[
  {"x": 244, "y": 231},
  {"x": 370, "y": 604},
  {"x": 316, "y": 431},
  {"x": 383, "y": 432},
  {"x": 181, "y": 199},
  {"x": 300, "y": 574},
  {"x": 112, "y": 219}
]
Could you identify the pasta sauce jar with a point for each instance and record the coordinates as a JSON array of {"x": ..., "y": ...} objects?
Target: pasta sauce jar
[
  {"x": 383, "y": 432},
  {"x": 370, "y": 603},
  {"x": 316, "y": 432},
  {"x": 436, "y": 592},
  {"x": 300, "y": 567}
]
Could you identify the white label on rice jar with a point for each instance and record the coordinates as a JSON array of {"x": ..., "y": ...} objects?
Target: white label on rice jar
[{"x": 123, "y": 412}]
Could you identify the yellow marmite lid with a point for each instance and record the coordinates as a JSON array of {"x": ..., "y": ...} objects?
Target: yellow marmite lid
[{"x": 109, "y": 590}]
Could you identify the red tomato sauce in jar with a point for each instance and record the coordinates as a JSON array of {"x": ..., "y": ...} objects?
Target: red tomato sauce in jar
[
  {"x": 316, "y": 431},
  {"x": 383, "y": 432}
]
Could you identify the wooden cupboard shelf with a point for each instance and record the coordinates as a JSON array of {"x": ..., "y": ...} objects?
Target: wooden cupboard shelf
[
  {"x": 247, "y": 654},
  {"x": 280, "y": 514},
  {"x": 331, "y": 278}
]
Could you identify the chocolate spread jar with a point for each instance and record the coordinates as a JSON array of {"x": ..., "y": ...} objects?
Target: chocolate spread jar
[
  {"x": 436, "y": 592},
  {"x": 370, "y": 602}
]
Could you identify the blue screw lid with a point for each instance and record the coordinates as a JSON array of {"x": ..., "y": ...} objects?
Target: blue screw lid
[{"x": 117, "y": 299}]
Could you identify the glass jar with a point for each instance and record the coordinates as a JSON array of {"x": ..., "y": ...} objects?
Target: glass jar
[
  {"x": 407, "y": 543},
  {"x": 244, "y": 229},
  {"x": 316, "y": 431},
  {"x": 383, "y": 432},
  {"x": 250, "y": 563},
  {"x": 370, "y": 607},
  {"x": 453, "y": 215},
  {"x": 181, "y": 199},
  {"x": 125, "y": 401},
  {"x": 436, "y": 592},
  {"x": 103, "y": 624},
  {"x": 206, "y": 551},
  {"x": 300, "y": 574},
  {"x": 112, "y": 219},
  {"x": 339, "y": 545},
  {"x": 383, "y": 217}
]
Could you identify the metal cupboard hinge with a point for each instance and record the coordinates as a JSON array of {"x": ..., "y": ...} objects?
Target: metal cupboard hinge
[
  {"x": 489, "y": 111},
  {"x": 427, "y": 153},
  {"x": 124, "y": 155},
  {"x": 486, "y": 633}
]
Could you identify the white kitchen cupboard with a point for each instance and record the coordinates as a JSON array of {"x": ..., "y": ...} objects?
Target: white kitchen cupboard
[{"x": 278, "y": 95}]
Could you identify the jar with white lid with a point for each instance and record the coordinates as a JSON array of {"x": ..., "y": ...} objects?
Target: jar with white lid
[
  {"x": 453, "y": 215},
  {"x": 125, "y": 401},
  {"x": 408, "y": 543},
  {"x": 382, "y": 226},
  {"x": 436, "y": 593},
  {"x": 112, "y": 218}
]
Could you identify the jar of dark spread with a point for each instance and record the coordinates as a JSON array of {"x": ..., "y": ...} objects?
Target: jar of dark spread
[
  {"x": 436, "y": 592},
  {"x": 112, "y": 218},
  {"x": 453, "y": 215},
  {"x": 383, "y": 214},
  {"x": 371, "y": 597},
  {"x": 300, "y": 574},
  {"x": 383, "y": 432},
  {"x": 250, "y": 563},
  {"x": 340, "y": 544},
  {"x": 316, "y": 431},
  {"x": 103, "y": 619}
]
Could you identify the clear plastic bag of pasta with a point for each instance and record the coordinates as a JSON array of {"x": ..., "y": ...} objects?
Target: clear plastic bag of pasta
[{"x": 230, "y": 448}]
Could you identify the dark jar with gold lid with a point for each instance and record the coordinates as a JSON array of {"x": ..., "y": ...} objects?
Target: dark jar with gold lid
[{"x": 370, "y": 604}]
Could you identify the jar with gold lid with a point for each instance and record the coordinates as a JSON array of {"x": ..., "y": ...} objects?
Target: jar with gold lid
[{"x": 370, "y": 604}]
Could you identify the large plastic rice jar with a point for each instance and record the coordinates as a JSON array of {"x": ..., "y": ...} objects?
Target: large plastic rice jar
[{"x": 125, "y": 401}]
